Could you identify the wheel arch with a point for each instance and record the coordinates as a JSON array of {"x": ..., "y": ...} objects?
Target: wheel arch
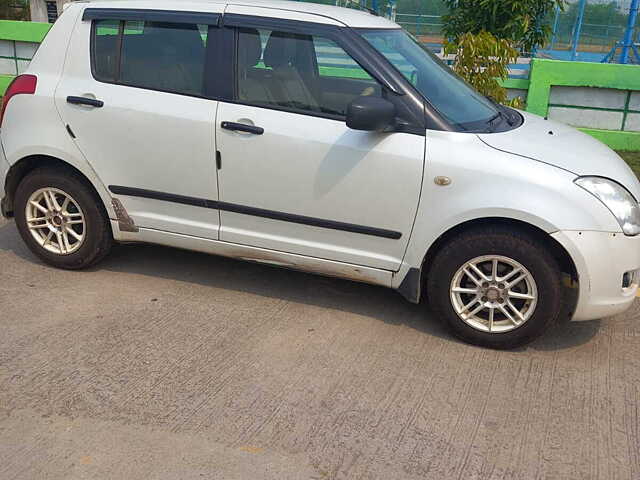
[
  {"x": 413, "y": 284},
  {"x": 20, "y": 169}
]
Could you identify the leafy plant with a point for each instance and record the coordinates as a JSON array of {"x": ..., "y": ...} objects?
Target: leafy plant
[
  {"x": 522, "y": 22},
  {"x": 482, "y": 60},
  {"x": 14, "y": 10}
]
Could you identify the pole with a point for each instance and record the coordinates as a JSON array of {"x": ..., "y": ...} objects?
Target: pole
[
  {"x": 578, "y": 29},
  {"x": 627, "y": 43},
  {"x": 555, "y": 28},
  {"x": 392, "y": 10}
]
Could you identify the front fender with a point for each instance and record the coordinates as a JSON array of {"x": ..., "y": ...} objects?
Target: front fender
[{"x": 487, "y": 183}]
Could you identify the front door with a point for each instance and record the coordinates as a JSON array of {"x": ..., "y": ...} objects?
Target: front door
[
  {"x": 294, "y": 177},
  {"x": 133, "y": 97}
]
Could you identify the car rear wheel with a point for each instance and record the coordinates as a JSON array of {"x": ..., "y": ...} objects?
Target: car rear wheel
[
  {"x": 495, "y": 287},
  {"x": 61, "y": 219}
]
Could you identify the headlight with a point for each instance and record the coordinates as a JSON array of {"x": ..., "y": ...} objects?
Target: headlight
[{"x": 617, "y": 199}]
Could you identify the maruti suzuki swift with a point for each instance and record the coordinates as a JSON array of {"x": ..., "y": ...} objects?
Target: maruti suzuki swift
[{"x": 316, "y": 138}]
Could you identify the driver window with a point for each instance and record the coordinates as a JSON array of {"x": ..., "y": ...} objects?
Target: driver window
[{"x": 300, "y": 72}]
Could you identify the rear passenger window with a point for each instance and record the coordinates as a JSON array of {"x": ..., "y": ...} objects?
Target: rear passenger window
[
  {"x": 161, "y": 56},
  {"x": 299, "y": 72},
  {"x": 105, "y": 47}
]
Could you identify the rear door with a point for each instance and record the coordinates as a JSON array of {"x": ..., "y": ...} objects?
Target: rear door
[{"x": 134, "y": 95}]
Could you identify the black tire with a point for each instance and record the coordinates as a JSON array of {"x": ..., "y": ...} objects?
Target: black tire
[
  {"x": 98, "y": 236},
  {"x": 508, "y": 242}
]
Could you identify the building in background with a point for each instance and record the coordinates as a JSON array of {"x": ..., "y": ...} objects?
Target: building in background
[
  {"x": 46, "y": 10},
  {"x": 624, "y": 5}
]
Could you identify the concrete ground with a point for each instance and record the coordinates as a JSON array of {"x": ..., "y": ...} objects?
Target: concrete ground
[{"x": 165, "y": 364}]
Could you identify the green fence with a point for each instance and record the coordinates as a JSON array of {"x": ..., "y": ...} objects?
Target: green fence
[
  {"x": 586, "y": 95},
  {"x": 602, "y": 93},
  {"x": 602, "y": 24},
  {"x": 18, "y": 43}
]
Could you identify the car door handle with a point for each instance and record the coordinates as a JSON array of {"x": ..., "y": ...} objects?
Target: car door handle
[
  {"x": 242, "y": 127},
  {"x": 92, "y": 102}
]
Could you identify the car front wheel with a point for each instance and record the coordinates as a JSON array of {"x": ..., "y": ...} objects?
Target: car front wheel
[{"x": 496, "y": 287}]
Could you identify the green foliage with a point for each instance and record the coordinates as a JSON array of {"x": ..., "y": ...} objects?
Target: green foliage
[
  {"x": 14, "y": 10},
  {"x": 633, "y": 160},
  {"x": 482, "y": 60},
  {"x": 522, "y": 22}
]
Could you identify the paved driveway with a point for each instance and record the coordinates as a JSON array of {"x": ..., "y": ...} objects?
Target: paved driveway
[{"x": 164, "y": 364}]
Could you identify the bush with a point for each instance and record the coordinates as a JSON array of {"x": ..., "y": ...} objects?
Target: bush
[
  {"x": 14, "y": 10},
  {"x": 482, "y": 60}
]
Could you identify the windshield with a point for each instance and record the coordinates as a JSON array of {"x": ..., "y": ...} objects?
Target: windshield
[{"x": 457, "y": 101}]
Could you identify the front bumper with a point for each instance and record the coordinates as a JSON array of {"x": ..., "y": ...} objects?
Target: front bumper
[{"x": 601, "y": 259}]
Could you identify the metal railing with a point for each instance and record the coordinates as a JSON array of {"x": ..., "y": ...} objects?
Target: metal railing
[{"x": 420, "y": 25}]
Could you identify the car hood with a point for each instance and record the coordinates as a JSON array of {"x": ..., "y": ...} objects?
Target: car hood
[{"x": 564, "y": 147}]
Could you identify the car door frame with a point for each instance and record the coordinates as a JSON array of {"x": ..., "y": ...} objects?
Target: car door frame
[
  {"x": 409, "y": 103},
  {"x": 209, "y": 79}
]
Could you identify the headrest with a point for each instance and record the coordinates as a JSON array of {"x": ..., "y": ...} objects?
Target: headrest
[
  {"x": 176, "y": 38},
  {"x": 280, "y": 49},
  {"x": 251, "y": 47}
]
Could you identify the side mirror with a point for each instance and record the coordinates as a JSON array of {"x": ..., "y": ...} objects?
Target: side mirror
[{"x": 371, "y": 114}]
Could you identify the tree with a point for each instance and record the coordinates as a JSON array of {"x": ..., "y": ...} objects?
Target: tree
[
  {"x": 521, "y": 22},
  {"x": 14, "y": 10},
  {"x": 482, "y": 60}
]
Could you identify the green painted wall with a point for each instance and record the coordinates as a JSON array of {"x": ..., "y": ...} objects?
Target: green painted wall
[
  {"x": 12, "y": 30},
  {"x": 23, "y": 31},
  {"x": 545, "y": 73},
  {"x": 515, "y": 83},
  {"x": 5, "y": 80}
]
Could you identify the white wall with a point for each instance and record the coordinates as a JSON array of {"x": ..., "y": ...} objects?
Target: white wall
[{"x": 39, "y": 9}]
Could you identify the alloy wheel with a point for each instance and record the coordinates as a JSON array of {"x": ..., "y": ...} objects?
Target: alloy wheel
[
  {"x": 55, "y": 220},
  {"x": 493, "y": 293}
]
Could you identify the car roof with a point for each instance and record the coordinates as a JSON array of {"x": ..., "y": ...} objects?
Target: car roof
[{"x": 271, "y": 8}]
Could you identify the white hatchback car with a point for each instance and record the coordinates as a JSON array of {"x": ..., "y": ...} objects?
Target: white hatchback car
[{"x": 316, "y": 138}]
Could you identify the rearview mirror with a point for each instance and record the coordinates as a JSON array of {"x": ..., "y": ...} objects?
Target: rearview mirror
[{"x": 371, "y": 114}]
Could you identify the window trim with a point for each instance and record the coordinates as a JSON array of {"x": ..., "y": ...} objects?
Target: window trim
[
  {"x": 279, "y": 108},
  {"x": 116, "y": 81},
  {"x": 344, "y": 38},
  {"x": 171, "y": 16}
]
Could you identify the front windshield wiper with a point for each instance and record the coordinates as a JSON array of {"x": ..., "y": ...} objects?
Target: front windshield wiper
[
  {"x": 490, "y": 122},
  {"x": 502, "y": 113}
]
